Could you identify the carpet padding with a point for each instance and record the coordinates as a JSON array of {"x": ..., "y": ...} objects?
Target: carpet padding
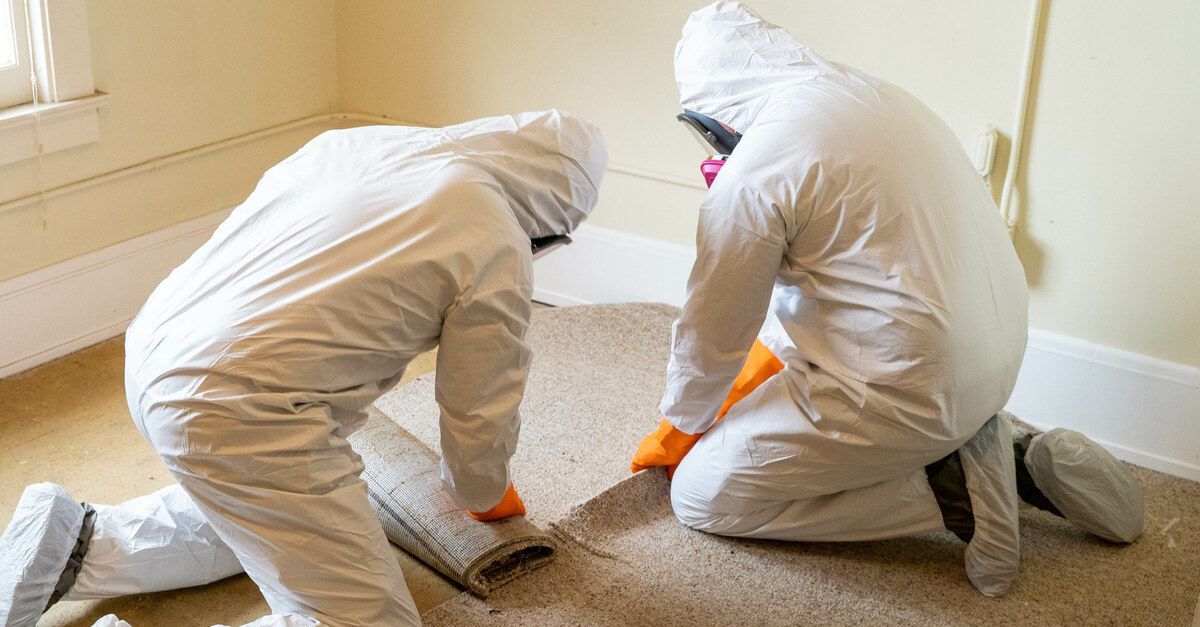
[{"x": 623, "y": 559}]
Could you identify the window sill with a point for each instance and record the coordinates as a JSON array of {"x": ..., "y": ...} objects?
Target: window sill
[{"x": 60, "y": 125}]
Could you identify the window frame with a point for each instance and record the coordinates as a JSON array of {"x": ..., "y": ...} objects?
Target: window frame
[
  {"x": 14, "y": 79},
  {"x": 65, "y": 112}
]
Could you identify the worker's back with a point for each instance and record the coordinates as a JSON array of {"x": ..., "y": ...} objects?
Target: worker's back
[
  {"x": 900, "y": 281},
  {"x": 330, "y": 283},
  {"x": 341, "y": 265}
]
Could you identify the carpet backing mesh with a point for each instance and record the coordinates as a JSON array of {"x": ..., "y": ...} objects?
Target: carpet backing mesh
[{"x": 404, "y": 489}]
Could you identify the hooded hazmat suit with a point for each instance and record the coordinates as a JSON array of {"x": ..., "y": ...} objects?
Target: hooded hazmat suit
[
  {"x": 252, "y": 362},
  {"x": 850, "y": 234}
]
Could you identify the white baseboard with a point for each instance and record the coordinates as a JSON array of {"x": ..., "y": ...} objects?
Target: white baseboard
[
  {"x": 608, "y": 266},
  {"x": 64, "y": 307},
  {"x": 1144, "y": 410}
]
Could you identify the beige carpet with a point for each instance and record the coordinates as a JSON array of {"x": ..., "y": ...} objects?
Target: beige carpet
[
  {"x": 596, "y": 379},
  {"x": 594, "y": 386}
]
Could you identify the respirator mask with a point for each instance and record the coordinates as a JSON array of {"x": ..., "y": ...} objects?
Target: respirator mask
[{"x": 717, "y": 140}]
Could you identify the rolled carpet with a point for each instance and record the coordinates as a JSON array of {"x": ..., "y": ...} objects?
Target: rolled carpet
[{"x": 418, "y": 516}]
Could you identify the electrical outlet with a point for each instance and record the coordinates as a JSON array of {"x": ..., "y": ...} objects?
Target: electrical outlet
[{"x": 985, "y": 151}]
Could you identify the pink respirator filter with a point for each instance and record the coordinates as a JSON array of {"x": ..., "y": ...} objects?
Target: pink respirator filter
[{"x": 709, "y": 168}]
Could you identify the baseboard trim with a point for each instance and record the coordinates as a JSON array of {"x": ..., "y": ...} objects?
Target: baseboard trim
[
  {"x": 1144, "y": 410},
  {"x": 62, "y": 308},
  {"x": 609, "y": 266}
]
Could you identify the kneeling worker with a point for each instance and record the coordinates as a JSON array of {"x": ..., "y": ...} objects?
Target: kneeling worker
[
  {"x": 851, "y": 235},
  {"x": 252, "y": 362}
]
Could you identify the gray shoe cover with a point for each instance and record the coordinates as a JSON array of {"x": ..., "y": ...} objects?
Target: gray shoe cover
[
  {"x": 1087, "y": 484},
  {"x": 994, "y": 553},
  {"x": 34, "y": 551}
]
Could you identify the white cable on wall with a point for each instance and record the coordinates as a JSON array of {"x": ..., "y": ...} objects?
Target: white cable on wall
[
  {"x": 1018, "y": 133},
  {"x": 36, "y": 101}
]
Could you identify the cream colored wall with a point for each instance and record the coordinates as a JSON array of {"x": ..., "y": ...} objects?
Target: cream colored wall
[
  {"x": 181, "y": 74},
  {"x": 436, "y": 62},
  {"x": 1111, "y": 221},
  {"x": 1112, "y": 230}
]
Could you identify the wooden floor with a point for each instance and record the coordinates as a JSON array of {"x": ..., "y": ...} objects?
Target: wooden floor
[{"x": 66, "y": 422}]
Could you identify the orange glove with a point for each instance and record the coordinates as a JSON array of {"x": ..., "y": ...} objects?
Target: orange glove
[
  {"x": 761, "y": 364},
  {"x": 509, "y": 505},
  {"x": 667, "y": 446}
]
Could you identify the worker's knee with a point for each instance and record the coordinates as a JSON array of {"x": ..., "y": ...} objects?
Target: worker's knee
[
  {"x": 689, "y": 511},
  {"x": 716, "y": 516},
  {"x": 695, "y": 492},
  {"x": 709, "y": 497}
]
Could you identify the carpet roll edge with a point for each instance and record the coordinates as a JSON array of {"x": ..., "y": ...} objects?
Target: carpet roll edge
[{"x": 498, "y": 553}]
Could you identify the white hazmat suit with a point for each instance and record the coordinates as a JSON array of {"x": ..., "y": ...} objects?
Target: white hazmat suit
[
  {"x": 252, "y": 362},
  {"x": 849, "y": 232}
]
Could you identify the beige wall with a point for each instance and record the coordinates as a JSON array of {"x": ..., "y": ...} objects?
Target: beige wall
[
  {"x": 436, "y": 62},
  {"x": 1111, "y": 222},
  {"x": 181, "y": 74},
  {"x": 1112, "y": 230}
]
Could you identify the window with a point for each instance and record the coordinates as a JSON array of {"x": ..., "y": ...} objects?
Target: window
[
  {"x": 48, "y": 41},
  {"x": 14, "y": 54}
]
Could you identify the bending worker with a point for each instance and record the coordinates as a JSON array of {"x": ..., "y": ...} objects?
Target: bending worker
[
  {"x": 253, "y": 361},
  {"x": 851, "y": 235}
]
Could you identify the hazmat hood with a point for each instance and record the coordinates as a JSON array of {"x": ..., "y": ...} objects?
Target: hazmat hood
[
  {"x": 549, "y": 164},
  {"x": 729, "y": 61}
]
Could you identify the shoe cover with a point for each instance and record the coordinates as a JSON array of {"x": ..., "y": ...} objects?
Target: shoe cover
[
  {"x": 34, "y": 551},
  {"x": 1087, "y": 484},
  {"x": 994, "y": 552},
  {"x": 110, "y": 620}
]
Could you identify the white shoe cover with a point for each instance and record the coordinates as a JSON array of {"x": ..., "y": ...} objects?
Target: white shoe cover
[
  {"x": 110, "y": 620},
  {"x": 1087, "y": 484},
  {"x": 994, "y": 552},
  {"x": 34, "y": 551}
]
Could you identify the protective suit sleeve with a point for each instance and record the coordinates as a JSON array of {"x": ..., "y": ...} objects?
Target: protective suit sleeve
[
  {"x": 739, "y": 248},
  {"x": 482, "y": 363}
]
